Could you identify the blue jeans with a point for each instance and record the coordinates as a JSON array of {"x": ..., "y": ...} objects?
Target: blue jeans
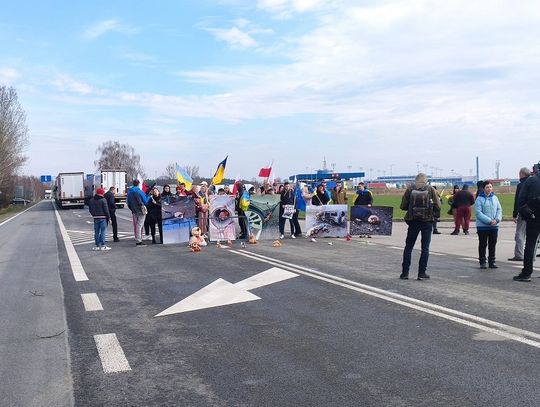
[
  {"x": 416, "y": 227},
  {"x": 100, "y": 230}
]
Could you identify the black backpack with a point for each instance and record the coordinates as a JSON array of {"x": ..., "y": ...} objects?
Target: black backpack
[{"x": 421, "y": 205}]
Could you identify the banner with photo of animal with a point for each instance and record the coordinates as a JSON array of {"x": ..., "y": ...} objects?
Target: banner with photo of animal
[
  {"x": 178, "y": 214},
  {"x": 263, "y": 216},
  {"x": 326, "y": 221},
  {"x": 222, "y": 225},
  {"x": 373, "y": 220}
]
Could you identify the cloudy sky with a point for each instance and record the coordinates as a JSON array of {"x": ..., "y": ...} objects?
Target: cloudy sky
[{"x": 390, "y": 86}]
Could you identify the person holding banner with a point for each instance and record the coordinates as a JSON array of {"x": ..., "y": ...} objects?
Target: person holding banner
[
  {"x": 288, "y": 210},
  {"x": 320, "y": 197}
]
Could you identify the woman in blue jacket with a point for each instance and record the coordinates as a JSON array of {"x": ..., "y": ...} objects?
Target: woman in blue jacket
[{"x": 488, "y": 217}]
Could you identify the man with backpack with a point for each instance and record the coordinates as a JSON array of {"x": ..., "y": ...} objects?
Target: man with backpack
[{"x": 420, "y": 201}]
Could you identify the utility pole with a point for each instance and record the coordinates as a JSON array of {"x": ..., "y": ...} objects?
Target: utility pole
[{"x": 497, "y": 168}]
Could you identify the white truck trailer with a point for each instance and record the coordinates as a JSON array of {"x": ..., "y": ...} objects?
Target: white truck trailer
[
  {"x": 106, "y": 179},
  {"x": 69, "y": 190}
]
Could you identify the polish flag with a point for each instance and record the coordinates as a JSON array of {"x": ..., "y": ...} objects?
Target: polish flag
[{"x": 265, "y": 172}]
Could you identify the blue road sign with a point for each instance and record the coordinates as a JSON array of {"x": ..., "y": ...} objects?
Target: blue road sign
[{"x": 46, "y": 178}]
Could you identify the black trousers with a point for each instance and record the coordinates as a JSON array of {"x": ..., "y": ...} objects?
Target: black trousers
[
  {"x": 487, "y": 238},
  {"x": 293, "y": 223},
  {"x": 532, "y": 232},
  {"x": 415, "y": 228},
  {"x": 147, "y": 225},
  {"x": 114, "y": 224},
  {"x": 152, "y": 225},
  {"x": 242, "y": 222}
]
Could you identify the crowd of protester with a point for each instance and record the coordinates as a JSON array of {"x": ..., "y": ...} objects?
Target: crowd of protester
[{"x": 421, "y": 203}]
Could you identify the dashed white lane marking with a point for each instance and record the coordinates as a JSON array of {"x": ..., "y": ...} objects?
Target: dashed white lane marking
[
  {"x": 76, "y": 266},
  {"x": 91, "y": 302},
  {"x": 437, "y": 254},
  {"x": 468, "y": 258},
  {"x": 395, "y": 247},
  {"x": 473, "y": 321},
  {"x": 111, "y": 354}
]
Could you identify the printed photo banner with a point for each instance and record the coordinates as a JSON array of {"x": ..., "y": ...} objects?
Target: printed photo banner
[
  {"x": 374, "y": 220},
  {"x": 326, "y": 221},
  {"x": 263, "y": 216},
  {"x": 221, "y": 225},
  {"x": 178, "y": 214}
]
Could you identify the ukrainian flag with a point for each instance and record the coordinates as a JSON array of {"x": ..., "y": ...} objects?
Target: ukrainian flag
[
  {"x": 220, "y": 172},
  {"x": 183, "y": 176}
]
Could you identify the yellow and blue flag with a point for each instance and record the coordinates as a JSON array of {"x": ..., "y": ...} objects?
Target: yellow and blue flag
[
  {"x": 183, "y": 176},
  {"x": 220, "y": 172}
]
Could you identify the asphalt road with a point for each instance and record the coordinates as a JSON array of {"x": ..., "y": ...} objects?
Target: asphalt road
[{"x": 332, "y": 326}]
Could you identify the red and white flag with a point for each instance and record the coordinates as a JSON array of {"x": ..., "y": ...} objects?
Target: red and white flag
[
  {"x": 143, "y": 185},
  {"x": 266, "y": 171}
]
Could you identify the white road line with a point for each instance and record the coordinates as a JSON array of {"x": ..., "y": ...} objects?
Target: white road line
[
  {"x": 437, "y": 254},
  {"x": 91, "y": 302},
  {"x": 111, "y": 354},
  {"x": 76, "y": 266},
  {"x": 473, "y": 321},
  {"x": 395, "y": 247},
  {"x": 468, "y": 258},
  {"x": 20, "y": 213}
]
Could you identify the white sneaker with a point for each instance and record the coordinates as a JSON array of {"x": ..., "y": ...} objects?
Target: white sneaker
[
  {"x": 281, "y": 236},
  {"x": 95, "y": 248},
  {"x": 149, "y": 237},
  {"x": 105, "y": 248},
  {"x": 313, "y": 239},
  {"x": 293, "y": 237}
]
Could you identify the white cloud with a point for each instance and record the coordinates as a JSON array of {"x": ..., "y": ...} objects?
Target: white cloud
[
  {"x": 8, "y": 76},
  {"x": 103, "y": 27},
  {"x": 287, "y": 8},
  {"x": 234, "y": 37},
  {"x": 65, "y": 83}
]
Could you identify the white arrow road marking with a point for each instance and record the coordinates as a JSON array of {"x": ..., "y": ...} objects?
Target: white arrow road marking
[{"x": 221, "y": 292}]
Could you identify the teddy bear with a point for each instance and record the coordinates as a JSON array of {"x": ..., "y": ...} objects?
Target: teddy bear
[{"x": 196, "y": 240}]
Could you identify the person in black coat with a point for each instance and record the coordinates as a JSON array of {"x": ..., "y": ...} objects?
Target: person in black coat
[
  {"x": 288, "y": 197},
  {"x": 529, "y": 208},
  {"x": 154, "y": 215},
  {"x": 100, "y": 212},
  {"x": 320, "y": 197},
  {"x": 109, "y": 196}
]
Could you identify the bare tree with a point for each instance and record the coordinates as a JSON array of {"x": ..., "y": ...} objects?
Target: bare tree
[
  {"x": 192, "y": 170},
  {"x": 170, "y": 171},
  {"x": 116, "y": 156},
  {"x": 13, "y": 135}
]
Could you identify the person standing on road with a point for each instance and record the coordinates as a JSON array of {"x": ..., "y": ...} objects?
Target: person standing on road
[
  {"x": 519, "y": 237},
  {"x": 488, "y": 217},
  {"x": 420, "y": 201},
  {"x": 288, "y": 210},
  {"x": 154, "y": 215},
  {"x": 99, "y": 209},
  {"x": 136, "y": 201},
  {"x": 462, "y": 201},
  {"x": 109, "y": 196},
  {"x": 339, "y": 195},
  {"x": 436, "y": 214},
  {"x": 363, "y": 195},
  {"x": 529, "y": 207}
]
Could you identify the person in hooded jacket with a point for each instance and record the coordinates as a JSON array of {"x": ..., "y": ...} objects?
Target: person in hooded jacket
[
  {"x": 136, "y": 201},
  {"x": 488, "y": 217},
  {"x": 99, "y": 209},
  {"x": 418, "y": 224},
  {"x": 519, "y": 236},
  {"x": 166, "y": 191}
]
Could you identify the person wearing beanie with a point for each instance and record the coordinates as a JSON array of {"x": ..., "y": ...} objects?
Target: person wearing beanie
[{"x": 99, "y": 209}]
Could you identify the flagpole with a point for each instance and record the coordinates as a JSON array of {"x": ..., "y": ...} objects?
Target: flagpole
[{"x": 271, "y": 164}]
